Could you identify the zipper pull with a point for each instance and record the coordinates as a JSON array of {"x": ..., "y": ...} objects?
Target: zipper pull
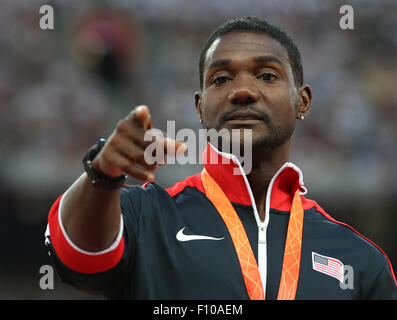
[{"x": 262, "y": 234}]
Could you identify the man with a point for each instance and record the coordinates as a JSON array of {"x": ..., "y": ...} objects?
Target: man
[{"x": 215, "y": 235}]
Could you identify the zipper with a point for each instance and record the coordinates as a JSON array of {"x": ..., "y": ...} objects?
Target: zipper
[
  {"x": 262, "y": 233},
  {"x": 262, "y": 253},
  {"x": 262, "y": 227}
]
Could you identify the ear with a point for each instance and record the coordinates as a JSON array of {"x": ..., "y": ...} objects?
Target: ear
[
  {"x": 197, "y": 100},
  {"x": 304, "y": 102}
]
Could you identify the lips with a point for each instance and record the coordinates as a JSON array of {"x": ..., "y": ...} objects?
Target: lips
[{"x": 244, "y": 117}]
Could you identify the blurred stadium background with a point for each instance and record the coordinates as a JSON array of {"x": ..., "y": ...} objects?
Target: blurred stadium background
[{"x": 62, "y": 89}]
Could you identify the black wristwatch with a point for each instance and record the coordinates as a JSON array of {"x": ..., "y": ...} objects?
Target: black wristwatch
[{"x": 100, "y": 180}]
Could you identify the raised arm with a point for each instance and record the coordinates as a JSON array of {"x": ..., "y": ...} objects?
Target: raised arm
[{"x": 90, "y": 214}]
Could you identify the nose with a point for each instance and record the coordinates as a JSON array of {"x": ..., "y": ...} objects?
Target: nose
[{"x": 243, "y": 93}]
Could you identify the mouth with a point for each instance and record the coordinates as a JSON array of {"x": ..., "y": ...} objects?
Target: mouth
[{"x": 244, "y": 118}]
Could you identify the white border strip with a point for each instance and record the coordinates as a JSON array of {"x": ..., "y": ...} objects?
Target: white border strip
[{"x": 112, "y": 247}]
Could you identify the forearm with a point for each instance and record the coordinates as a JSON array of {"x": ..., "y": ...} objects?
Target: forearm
[{"x": 91, "y": 216}]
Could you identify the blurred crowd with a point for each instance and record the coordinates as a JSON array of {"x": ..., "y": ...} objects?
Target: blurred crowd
[{"x": 62, "y": 89}]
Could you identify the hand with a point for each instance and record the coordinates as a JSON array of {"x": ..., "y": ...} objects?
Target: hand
[{"x": 124, "y": 150}]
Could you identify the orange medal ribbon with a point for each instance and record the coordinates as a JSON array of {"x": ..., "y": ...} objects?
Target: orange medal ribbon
[{"x": 248, "y": 263}]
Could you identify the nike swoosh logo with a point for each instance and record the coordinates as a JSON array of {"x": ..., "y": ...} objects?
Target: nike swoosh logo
[{"x": 180, "y": 236}]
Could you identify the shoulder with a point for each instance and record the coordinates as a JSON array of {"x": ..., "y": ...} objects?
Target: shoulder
[
  {"x": 344, "y": 230},
  {"x": 358, "y": 248},
  {"x": 151, "y": 187},
  {"x": 150, "y": 193},
  {"x": 193, "y": 182}
]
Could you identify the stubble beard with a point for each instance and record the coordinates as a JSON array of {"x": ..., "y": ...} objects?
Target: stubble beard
[{"x": 276, "y": 137}]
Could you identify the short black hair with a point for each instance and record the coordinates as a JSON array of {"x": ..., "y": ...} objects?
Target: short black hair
[{"x": 256, "y": 25}]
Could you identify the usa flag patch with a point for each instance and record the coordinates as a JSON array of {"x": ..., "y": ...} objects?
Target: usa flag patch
[{"x": 329, "y": 266}]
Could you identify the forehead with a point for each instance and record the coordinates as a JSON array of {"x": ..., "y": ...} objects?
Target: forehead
[{"x": 243, "y": 45}]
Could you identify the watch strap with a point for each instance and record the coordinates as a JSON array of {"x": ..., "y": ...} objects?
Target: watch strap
[{"x": 98, "y": 179}]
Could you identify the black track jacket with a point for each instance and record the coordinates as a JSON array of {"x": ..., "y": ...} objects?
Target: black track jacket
[{"x": 173, "y": 244}]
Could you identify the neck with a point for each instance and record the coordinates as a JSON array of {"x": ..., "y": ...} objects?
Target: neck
[{"x": 265, "y": 164}]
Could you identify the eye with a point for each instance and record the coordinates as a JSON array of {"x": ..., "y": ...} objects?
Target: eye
[
  {"x": 268, "y": 77},
  {"x": 220, "y": 80}
]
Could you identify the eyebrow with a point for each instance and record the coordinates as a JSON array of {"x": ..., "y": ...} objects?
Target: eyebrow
[
  {"x": 224, "y": 62},
  {"x": 220, "y": 62},
  {"x": 268, "y": 59}
]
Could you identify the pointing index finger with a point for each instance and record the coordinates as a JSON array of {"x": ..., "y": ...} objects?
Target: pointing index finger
[{"x": 141, "y": 116}]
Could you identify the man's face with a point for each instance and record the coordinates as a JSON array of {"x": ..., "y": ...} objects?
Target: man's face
[{"x": 248, "y": 84}]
